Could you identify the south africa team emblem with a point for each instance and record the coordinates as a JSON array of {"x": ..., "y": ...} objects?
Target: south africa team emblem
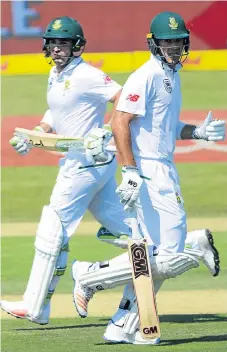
[{"x": 167, "y": 85}]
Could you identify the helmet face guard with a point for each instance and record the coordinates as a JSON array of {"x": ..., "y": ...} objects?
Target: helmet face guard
[
  {"x": 76, "y": 45},
  {"x": 171, "y": 55}
]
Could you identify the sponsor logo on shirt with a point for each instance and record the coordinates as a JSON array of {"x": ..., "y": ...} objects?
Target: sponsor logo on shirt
[
  {"x": 133, "y": 97},
  {"x": 107, "y": 79},
  {"x": 178, "y": 198},
  {"x": 67, "y": 84},
  {"x": 167, "y": 85}
]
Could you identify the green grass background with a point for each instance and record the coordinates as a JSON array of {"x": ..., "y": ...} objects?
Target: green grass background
[{"x": 26, "y": 190}]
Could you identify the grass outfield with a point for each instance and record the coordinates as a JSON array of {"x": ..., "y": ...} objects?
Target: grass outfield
[
  {"x": 197, "y": 333},
  {"x": 202, "y": 189},
  {"x": 26, "y": 95}
]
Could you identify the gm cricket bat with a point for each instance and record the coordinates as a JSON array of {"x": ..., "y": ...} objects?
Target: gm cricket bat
[
  {"x": 143, "y": 283},
  {"x": 50, "y": 141}
]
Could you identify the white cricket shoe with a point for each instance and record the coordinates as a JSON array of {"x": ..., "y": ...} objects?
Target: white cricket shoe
[
  {"x": 81, "y": 294},
  {"x": 19, "y": 310},
  {"x": 115, "y": 334},
  {"x": 204, "y": 242},
  {"x": 210, "y": 252}
]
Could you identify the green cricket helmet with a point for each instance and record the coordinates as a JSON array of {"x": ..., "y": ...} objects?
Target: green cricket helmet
[
  {"x": 64, "y": 28},
  {"x": 168, "y": 26}
]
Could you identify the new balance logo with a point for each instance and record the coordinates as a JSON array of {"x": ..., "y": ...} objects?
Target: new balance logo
[{"x": 132, "y": 97}]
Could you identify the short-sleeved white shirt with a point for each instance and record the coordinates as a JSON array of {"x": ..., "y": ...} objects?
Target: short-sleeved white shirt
[
  {"x": 78, "y": 97},
  {"x": 153, "y": 93}
]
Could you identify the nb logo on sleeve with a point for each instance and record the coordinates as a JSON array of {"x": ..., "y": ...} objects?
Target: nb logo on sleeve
[{"x": 132, "y": 97}]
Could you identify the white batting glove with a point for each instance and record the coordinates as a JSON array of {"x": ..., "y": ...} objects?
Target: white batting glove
[
  {"x": 96, "y": 142},
  {"x": 210, "y": 130},
  {"x": 128, "y": 190},
  {"x": 21, "y": 145}
]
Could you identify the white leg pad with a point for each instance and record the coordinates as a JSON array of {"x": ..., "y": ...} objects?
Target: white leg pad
[
  {"x": 118, "y": 270},
  {"x": 132, "y": 322},
  {"x": 127, "y": 315},
  {"x": 48, "y": 243},
  {"x": 112, "y": 273},
  {"x": 172, "y": 265}
]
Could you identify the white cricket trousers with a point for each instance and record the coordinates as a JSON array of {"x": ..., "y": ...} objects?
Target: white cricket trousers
[
  {"x": 80, "y": 188},
  {"x": 160, "y": 207}
]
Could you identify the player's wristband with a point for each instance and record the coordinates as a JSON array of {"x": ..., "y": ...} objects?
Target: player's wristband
[
  {"x": 130, "y": 167},
  {"x": 195, "y": 134}
]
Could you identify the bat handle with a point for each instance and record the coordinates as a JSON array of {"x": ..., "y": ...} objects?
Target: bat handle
[{"x": 135, "y": 227}]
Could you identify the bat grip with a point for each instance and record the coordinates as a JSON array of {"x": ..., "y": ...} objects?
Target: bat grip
[{"x": 134, "y": 225}]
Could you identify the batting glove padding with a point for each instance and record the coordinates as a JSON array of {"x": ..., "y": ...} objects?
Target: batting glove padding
[
  {"x": 96, "y": 142},
  {"x": 22, "y": 146},
  {"x": 128, "y": 190},
  {"x": 211, "y": 130}
]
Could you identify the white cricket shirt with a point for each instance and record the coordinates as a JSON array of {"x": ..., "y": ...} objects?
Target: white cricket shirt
[
  {"x": 77, "y": 98},
  {"x": 153, "y": 93}
]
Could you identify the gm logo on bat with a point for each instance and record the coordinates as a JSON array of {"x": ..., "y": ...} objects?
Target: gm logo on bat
[
  {"x": 150, "y": 330},
  {"x": 139, "y": 260}
]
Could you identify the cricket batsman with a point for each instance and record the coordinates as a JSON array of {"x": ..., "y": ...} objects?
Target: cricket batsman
[
  {"x": 145, "y": 127},
  {"x": 77, "y": 96}
]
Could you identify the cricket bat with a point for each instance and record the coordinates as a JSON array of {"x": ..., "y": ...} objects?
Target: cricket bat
[
  {"x": 50, "y": 141},
  {"x": 143, "y": 283},
  {"x": 54, "y": 142}
]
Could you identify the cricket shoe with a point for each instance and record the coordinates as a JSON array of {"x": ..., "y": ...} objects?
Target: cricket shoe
[
  {"x": 115, "y": 334},
  {"x": 210, "y": 253},
  {"x": 205, "y": 244},
  {"x": 81, "y": 294},
  {"x": 19, "y": 310}
]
